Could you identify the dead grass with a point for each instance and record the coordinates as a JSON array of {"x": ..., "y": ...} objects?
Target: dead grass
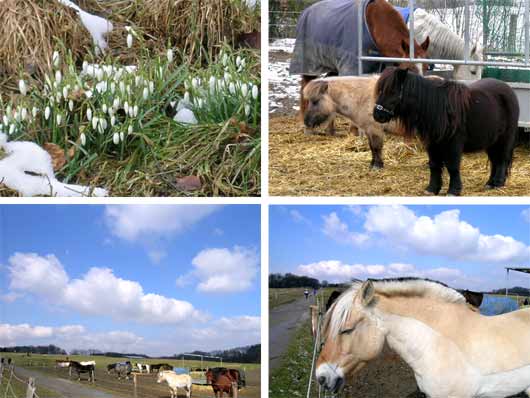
[{"x": 319, "y": 165}]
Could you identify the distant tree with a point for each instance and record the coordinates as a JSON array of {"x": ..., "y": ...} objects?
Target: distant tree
[{"x": 290, "y": 280}]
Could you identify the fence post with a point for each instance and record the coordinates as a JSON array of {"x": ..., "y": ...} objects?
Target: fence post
[
  {"x": 135, "y": 382},
  {"x": 30, "y": 392},
  {"x": 235, "y": 391}
]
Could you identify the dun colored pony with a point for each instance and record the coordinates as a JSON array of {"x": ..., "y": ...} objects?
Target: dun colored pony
[
  {"x": 451, "y": 118},
  {"x": 221, "y": 382},
  {"x": 455, "y": 352},
  {"x": 175, "y": 381}
]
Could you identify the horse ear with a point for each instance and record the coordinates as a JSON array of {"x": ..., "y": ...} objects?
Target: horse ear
[
  {"x": 323, "y": 88},
  {"x": 425, "y": 44},
  {"x": 367, "y": 293}
]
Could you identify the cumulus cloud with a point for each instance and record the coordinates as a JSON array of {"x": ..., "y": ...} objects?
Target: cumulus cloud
[
  {"x": 223, "y": 270},
  {"x": 337, "y": 230},
  {"x": 526, "y": 215},
  {"x": 445, "y": 235},
  {"x": 231, "y": 331},
  {"x": 98, "y": 292},
  {"x": 132, "y": 222}
]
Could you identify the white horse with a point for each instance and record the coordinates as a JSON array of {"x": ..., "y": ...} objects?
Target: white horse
[
  {"x": 175, "y": 381},
  {"x": 446, "y": 44},
  {"x": 86, "y": 363},
  {"x": 454, "y": 351}
]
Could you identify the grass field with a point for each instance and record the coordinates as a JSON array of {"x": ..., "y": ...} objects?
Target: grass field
[
  {"x": 18, "y": 388},
  {"x": 147, "y": 385},
  {"x": 283, "y": 296}
]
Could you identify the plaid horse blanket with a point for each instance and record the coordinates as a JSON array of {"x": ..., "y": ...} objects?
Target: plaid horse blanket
[{"x": 326, "y": 39}]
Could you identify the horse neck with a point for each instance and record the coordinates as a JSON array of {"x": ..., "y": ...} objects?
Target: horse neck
[{"x": 444, "y": 43}]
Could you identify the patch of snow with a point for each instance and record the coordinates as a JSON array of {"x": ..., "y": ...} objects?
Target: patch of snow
[
  {"x": 282, "y": 85},
  {"x": 285, "y": 45},
  {"x": 183, "y": 104},
  {"x": 185, "y": 116},
  {"x": 23, "y": 157}
]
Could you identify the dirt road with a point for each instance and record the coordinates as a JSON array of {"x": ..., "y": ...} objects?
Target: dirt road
[
  {"x": 283, "y": 321},
  {"x": 65, "y": 388}
]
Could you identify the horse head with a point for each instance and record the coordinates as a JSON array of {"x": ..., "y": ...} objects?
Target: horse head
[
  {"x": 389, "y": 94},
  {"x": 420, "y": 51},
  {"x": 352, "y": 337}
]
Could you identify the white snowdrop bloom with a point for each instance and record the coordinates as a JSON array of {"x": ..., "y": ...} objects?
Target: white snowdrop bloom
[
  {"x": 99, "y": 74},
  {"x": 129, "y": 89},
  {"x": 56, "y": 59},
  {"x": 65, "y": 92},
  {"x": 152, "y": 87},
  {"x": 34, "y": 111},
  {"x": 89, "y": 94},
  {"x": 22, "y": 87},
  {"x": 89, "y": 114},
  {"x": 136, "y": 110},
  {"x": 71, "y": 105},
  {"x": 112, "y": 121},
  {"x": 232, "y": 88},
  {"x": 213, "y": 84},
  {"x": 122, "y": 136},
  {"x": 47, "y": 112},
  {"x": 247, "y": 109},
  {"x": 52, "y": 100},
  {"x": 255, "y": 91},
  {"x": 104, "y": 108},
  {"x": 58, "y": 119},
  {"x": 94, "y": 122},
  {"x": 110, "y": 111},
  {"x": 103, "y": 123},
  {"x": 56, "y": 85},
  {"x": 186, "y": 85},
  {"x": 129, "y": 40},
  {"x": 116, "y": 103},
  {"x": 137, "y": 81},
  {"x": 112, "y": 87},
  {"x": 83, "y": 139},
  {"x": 17, "y": 115},
  {"x": 126, "y": 107},
  {"x": 227, "y": 76},
  {"x": 243, "y": 63},
  {"x": 23, "y": 113},
  {"x": 170, "y": 55},
  {"x": 116, "y": 138},
  {"x": 244, "y": 89},
  {"x": 122, "y": 87},
  {"x": 58, "y": 97},
  {"x": 225, "y": 59},
  {"x": 58, "y": 76},
  {"x": 186, "y": 97},
  {"x": 238, "y": 60},
  {"x": 146, "y": 93},
  {"x": 85, "y": 67},
  {"x": 194, "y": 83},
  {"x": 131, "y": 111},
  {"x": 130, "y": 129},
  {"x": 5, "y": 120},
  {"x": 11, "y": 129},
  {"x": 100, "y": 128}
]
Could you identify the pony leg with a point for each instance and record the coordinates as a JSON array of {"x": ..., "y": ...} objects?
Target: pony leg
[
  {"x": 452, "y": 162},
  {"x": 330, "y": 129},
  {"x": 376, "y": 146},
  {"x": 436, "y": 166},
  {"x": 501, "y": 159}
]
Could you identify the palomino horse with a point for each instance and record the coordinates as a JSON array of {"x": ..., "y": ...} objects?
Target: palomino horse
[
  {"x": 175, "y": 381},
  {"x": 326, "y": 39},
  {"x": 454, "y": 351}
]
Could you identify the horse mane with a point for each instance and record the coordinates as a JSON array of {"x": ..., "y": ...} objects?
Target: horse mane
[
  {"x": 444, "y": 42},
  {"x": 340, "y": 311},
  {"x": 435, "y": 109}
]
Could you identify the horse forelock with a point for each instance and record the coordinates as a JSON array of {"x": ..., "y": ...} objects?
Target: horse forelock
[{"x": 340, "y": 311}]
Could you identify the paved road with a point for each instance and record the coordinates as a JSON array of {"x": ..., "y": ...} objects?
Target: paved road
[
  {"x": 65, "y": 388},
  {"x": 283, "y": 322}
]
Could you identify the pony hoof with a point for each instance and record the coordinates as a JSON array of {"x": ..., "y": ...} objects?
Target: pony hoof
[
  {"x": 453, "y": 194},
  {"x": 429, "y": 193},
  {"x": 491, "y": 186},
  {"x": 376, "y": 167},
  {"x": 310, "y": 132}
]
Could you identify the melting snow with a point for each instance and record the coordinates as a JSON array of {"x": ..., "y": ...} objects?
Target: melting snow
[
  {"x": 282, "y": 85},
  {"x": 185, "y": 116}
]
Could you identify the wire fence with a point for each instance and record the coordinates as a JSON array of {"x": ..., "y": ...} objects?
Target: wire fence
[{"x": 7, "y": 380}]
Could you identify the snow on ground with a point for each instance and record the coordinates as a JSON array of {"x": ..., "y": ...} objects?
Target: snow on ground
[
  {"x": 284, "y": 89},
  {"x": 285, "y": 45}
]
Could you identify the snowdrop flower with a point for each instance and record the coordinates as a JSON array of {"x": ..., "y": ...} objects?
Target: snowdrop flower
[
  {"x": 58, "y": 97},
  {"x": 22, "y": 87},
  {"x": 99, "y": 74},
  {"x": 100, "y": 128},
  {"x": 186, "y": 97},
  {"x": 131, "y": 111},
  {"x": 58, "y": 118},
  {"x": 116, "y": 103},
  {"x": 116, "y": 138},
  {"x": 227, "y": 76},
  {"x": 238, "y": 60},
  {"x": 136, "y": 110},
  {"x": 170, "y": 55},
  {"x": 194, "y": 82},
  {"x": 146, "y": 93},
  {"x": 11, "y": 129},
  {"x": 130, "y": 130},
  {"x": 104, "y": 108},
  {"x": 89, "y": 114},
  {"x": 23, "y": 113},
  {"x": 94, "y": 122},
  {"x": 129, "y": 40},
  {"x": 126, "y": 107},
  {"x": 55, "y": 59},
  {"x": 52, "y": 100},
  {"x": 243, "y": 62},
  {"x": 255, "y": 91},
  {"x": 112, "y": 121},
  {"x": 103, "y": 123},
  {"x": 112, "y": 87},
  {"x": 47, "y": 112},
  {"x": 5, "y": 119},
  {"x": 212, "y": 84},
  {"x": 85, "y": 66},
  {"x": 152, "y": 87},
  {"x": 83, "y": 139},
  {"x": 186, "y": 85},
  {"x": 65, "y": 92},
  {"x": 232, "y": 88},
  {"x": 71, "y": 105},
  {"x": 247, "y": 109},
  {"x": 58, "y": 77},
  {"x": 122, "y": 136},
  {"x": 34, "y": 111},
  {"x": 122, "y": 87},
  {"x": 128, "y": 89},
  {"x": 225, "y": 59},
  {"x": 244, "y": 89}
]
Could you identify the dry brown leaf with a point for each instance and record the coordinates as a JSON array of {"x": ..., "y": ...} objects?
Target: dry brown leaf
[
  {"x": 57, "y": 154},
  {"x": 189, "y": 183}
]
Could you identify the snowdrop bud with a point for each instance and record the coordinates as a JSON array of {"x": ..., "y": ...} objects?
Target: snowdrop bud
[
  {"x": 100, "y": 128},
  {"x": 146, "y": 93},
  {"x": 22, "y": 87},
  {"x": 232, "y": 88},
  {"x": 194, "y": 82},
  {"x": 122, "y": 87},
  {"x": 126, "y": 107},
  {"x": 24, "y": 113},
  {"x": 151, "y": 87},
  {"x": 212, "y": 84},
  {"x": 58, "y": 76},
  {"x": 11, "y": 129},
  {"x": 116, "y": 138},
  {"x": 128, "y": 89},
  {"x": 136, "y": 110},
  {"x": 247, "y": 109},
  {"x": 170, "y": 55},
  {"x": 112, "y": 121},
  {"x": 65, "y": 92},
  {"x": 103, "y": 123},
  {"x": 112, "y": 87},
  {"x": 186, "y": 97},
  {"x": 255, "y": 91},
  {"x": 238, "y": 60},
  {"x": 116, "y": 103},
  {"x": 47, "y": 112},
  {"x": 99, "y": 74},
  {"x": 71, "y": 105},
  {"x": 94, "y": 122},
  {"x": 225, "y": 59},
  {"x": 55, "y": 59},
  {"x": 129, "y": 40},
  {"x": 85, "y": 66},
  {"x": 89, "y": 114},
  {"x": 131, "y": 111},
  {"x": 58, "y": 118},
  {"x": 34, "y": 111},
  {"x": 130, "y": 130},
  {"x": 104, "y": 108},
  {"x": 243, "y": 62},
  {"x": 244, "y": 90},
  {"x": 83, "y": 139},
  {"x": 122, "y": 136}
]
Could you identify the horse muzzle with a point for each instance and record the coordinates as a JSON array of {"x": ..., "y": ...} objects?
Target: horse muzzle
[
  {"x": 312, "y": 120},
  {"x": 382, "y": 114},
  {"x": 330, "y": 377}
]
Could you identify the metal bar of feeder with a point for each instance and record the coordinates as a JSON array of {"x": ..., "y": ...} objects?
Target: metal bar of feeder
[
  {"x": 411, "y": 28},
  {"x": 444, "y": 61},
  {"x": 359, "y": 37},
  {"x": 466, "y": 30},
  {"x": 527, "y": 32}
]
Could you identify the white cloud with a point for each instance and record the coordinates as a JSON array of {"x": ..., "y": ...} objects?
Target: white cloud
[
  {"x": 231, "y": 331},
  {"x": 445, "y": 235},
  {"x": 16, "y": 334},
  {"x": 218, "y": 232},
  {"x": 156, "y": 255},
  {"x": 526, "y": 215},
  {"x": 339, "y": 231},
  {"x": 132, "y": 222},
  {"x": 98, "y": 292},
  {"x": 223, "y": 270},
  {"x": 298, "y": 217}
]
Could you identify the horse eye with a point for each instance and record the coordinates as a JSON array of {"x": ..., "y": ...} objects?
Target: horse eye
[
  {"x": 314, "y": 102},
  {"x": 346, "y": 331}
]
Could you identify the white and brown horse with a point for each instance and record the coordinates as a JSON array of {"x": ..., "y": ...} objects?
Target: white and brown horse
[{"x": 454, "y": 351}]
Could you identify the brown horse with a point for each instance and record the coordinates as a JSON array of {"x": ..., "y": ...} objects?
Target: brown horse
[
  {"x": 388, "y": 31},
  {"x": 221, "y": 381}
]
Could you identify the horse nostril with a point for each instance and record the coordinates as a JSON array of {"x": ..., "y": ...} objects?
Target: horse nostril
[{"x": 321, "y": 380}]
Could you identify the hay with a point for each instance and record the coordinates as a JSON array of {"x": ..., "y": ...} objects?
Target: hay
[{"x": 301, "y": 165}]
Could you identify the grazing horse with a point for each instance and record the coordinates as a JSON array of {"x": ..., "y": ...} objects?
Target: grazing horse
[
  {"x": 454, "y": 352},
  {"x": 111, "y": 367},
  {"x": 122, "y": 369},
  {"x": 61, "y": 363},
  {"x": 175, "y": 381},
  {"x": 221, "y": 382},
  {"x": 79, "y": 369},
  {"x": 161, "y": 366},
  {"x": 451, "y": 118},
  {"x": 326, "y": 39}
]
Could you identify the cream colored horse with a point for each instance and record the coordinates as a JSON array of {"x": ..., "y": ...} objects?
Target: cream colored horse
[
  {"x": 175, "y": 381},
  {"x": 454, "y": 351}
]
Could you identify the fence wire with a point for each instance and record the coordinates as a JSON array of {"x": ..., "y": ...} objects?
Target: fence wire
[{"x": 29, "y": 384}]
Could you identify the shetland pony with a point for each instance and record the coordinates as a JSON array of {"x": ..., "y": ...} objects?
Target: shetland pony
[
  {"x": 451, "y": 118},
  {"x": 454, "y": 352}
]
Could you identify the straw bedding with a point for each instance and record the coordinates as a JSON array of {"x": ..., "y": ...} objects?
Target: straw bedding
[{"x": 320, "y": 165}]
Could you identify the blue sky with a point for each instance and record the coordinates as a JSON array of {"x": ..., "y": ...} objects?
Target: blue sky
[
  {"x": 153, "y": 279},
  {"x": 465, "y": 246}
]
